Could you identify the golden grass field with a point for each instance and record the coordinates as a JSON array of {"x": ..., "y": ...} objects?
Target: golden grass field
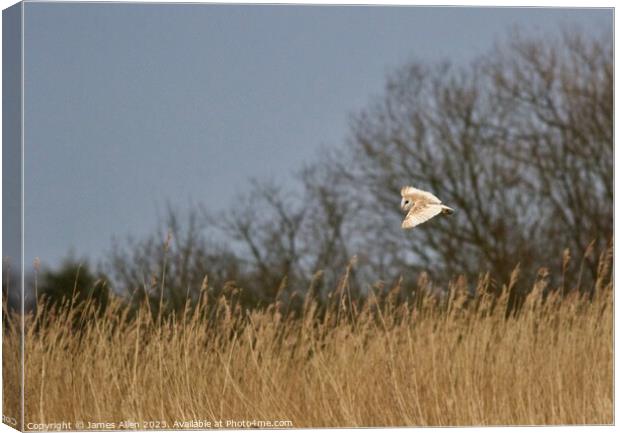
[{"x": 455, "y": 361}]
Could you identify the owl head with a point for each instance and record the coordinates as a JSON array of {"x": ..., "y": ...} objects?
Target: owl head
[{"x": 405, "y": 204}]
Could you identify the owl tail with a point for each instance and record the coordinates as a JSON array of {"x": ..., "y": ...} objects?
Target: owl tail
[{"x": 446, "y": 210}]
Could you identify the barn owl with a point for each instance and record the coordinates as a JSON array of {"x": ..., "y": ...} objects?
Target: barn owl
[{"x": 420, "y": 206}]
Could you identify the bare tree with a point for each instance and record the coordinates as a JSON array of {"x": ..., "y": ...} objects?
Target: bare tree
[
  {"x": 329, "y": 227},
  {"x": 518, "y": 141},
  {"x": 171, "y": 264},
  {"x": 560, "y": 127},
  {"x": 266, "y": 232}
]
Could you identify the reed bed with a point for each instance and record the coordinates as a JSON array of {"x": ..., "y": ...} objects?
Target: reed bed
[{"x": 405, "y": 358}]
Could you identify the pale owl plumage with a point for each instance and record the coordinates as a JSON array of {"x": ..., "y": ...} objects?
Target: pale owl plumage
[{"x": 420, "y": 206}]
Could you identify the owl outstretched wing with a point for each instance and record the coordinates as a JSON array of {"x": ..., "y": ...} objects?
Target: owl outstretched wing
[{"x": 420, "y": 213}]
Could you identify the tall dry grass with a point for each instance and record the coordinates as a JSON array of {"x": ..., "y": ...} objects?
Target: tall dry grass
[{"x": 425, "y": 361}]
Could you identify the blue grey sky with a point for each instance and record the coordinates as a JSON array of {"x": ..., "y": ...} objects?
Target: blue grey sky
[{"x": 129, "y": 106}]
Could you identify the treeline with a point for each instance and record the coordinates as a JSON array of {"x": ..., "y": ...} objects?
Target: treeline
[{"x": 519, "y": 142}]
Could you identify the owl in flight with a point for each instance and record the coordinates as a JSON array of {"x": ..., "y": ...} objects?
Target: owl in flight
[{"x": 420, "y": 206}]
